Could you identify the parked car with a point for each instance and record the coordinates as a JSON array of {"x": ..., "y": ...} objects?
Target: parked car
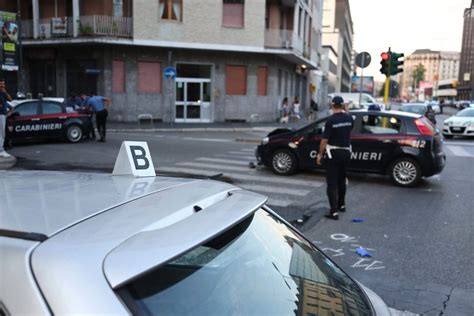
[
  {"x": 48, "y": 118},
  {"x": 435, "y": 106},
  {"x": 461, "y": 105},
  {"x": 98, "y": 244},
  {"x": 403, "y": 145},
  {"x": 460, "y": 124}
]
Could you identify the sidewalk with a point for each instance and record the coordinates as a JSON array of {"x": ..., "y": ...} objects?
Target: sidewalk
[
  {"x": 7, "y": 162},
  {"x": 146, "y": 127}
]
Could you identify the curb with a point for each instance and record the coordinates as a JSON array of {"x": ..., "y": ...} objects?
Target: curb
[{"x": 191, "y": 129}]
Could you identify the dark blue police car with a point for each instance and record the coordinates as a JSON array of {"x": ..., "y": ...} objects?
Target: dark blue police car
[
  {"x": 40, "y": 119},
  {"x": 405, "y": 146}
]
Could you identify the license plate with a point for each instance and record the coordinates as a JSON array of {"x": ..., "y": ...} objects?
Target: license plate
[{"x": 456, "y": 129}]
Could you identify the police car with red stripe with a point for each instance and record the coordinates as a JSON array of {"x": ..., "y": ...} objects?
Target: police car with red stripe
[
  {"x": 47, "y": 118},
  {"x": 403, "y": 145}
]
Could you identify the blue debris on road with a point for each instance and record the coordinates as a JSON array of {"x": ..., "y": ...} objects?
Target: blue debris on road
[{"x": 363, "y": 252}]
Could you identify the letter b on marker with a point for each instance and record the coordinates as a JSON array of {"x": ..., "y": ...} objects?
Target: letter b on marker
[{"x": 139, "y": 157}]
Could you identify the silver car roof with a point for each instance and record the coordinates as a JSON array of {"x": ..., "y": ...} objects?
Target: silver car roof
[{"x": 104, "y": 231}]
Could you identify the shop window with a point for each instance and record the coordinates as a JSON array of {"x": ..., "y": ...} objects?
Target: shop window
[
  {"x": 262, "y": 78},
  {"x": 118, "y": 76},
  {"x": 149, "y": 77},
  {"x": 171, "y": 10},
  {"x": 236, "y": 80},
  {"x": 233, "y": 13}
]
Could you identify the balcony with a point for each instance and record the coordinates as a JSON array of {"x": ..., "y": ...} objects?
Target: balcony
[
  {"x": 92, "y": 25},
  {"x": 276, "y": 38}
]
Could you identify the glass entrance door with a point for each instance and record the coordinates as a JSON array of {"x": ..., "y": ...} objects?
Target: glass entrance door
[{"x": 193, "y": 100}]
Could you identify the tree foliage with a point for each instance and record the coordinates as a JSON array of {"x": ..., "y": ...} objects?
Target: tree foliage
[{"x": 418, "y": 75}]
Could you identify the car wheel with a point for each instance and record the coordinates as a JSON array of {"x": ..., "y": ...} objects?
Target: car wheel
[
  {"x": 405, "y": 172},
  {"x": 283, "y": 162},
  {"x": 448, "y": 136},
  {"x": 74, "y": 133}
]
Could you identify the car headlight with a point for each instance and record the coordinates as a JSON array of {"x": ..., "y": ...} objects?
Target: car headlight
[
  {"x": 446, "y": 123},
  {"x": 265, "y": 140}
]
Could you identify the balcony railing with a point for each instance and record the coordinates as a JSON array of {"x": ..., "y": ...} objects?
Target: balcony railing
[
  {"x": 93, "y": 25},
  {"x": 276, "y": 38}
]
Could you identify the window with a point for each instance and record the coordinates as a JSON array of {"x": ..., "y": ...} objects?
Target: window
[
  {"x": 118, "y": 76},
  {"x": 171, "y": 10},
  {"x": 233, "y": 13},
  {"x": 268, "y": 266},
  {"x": 30, "y": 108},
  {"x": 149, "y": 77},
  {"x": 51, "y": 108},
  {"x": 236, "y": 80},
  {"x": 377, "y": 124},
  {"x": 262, "y": 76}
]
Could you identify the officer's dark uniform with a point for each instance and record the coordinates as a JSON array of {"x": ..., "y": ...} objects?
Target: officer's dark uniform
[{"x": 338, "y": 132}]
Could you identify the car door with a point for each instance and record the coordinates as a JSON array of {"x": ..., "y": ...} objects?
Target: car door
[
  {"x": 309, "y": 146},
  {"x": 23, "y": 120},
  {"x": 375, "y": 141},
  {"x": 53, "y": 115}
]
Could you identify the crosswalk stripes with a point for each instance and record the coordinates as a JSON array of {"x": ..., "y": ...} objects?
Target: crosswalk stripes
[
  {"x": 282, "y": 191},
  {"x": 460, "y": 151}
]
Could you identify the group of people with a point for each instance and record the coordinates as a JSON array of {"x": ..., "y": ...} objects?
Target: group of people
[
  {"x": 290, "y": 112},
  {"x": 94, "y": 105}
]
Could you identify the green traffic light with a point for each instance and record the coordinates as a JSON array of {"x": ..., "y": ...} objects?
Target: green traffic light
[{"x": 396, "y": 65}]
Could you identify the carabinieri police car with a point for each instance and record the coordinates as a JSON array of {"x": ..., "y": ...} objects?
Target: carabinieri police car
[
  {"x": 40, "y": 119},
  {"x": 403, "y": 145}
]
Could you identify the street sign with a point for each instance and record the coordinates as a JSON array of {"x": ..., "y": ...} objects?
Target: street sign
[
  {"x": 170, "y": 73},
  {"x": 363, "y": 59}
]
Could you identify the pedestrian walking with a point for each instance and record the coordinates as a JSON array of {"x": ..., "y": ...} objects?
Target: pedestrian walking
[
  {"x": 285, "y": 111},
  {"x": 99, "y": 105},
  {"x": 295, "y": 109},
  {"x": 4, "y": 108},
  {"x": 335, "y": 148}
]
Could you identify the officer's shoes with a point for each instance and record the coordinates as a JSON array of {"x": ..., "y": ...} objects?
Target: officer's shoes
[
  {"x": 333, "y": 216},
  {"x": 342, "y": 208}
]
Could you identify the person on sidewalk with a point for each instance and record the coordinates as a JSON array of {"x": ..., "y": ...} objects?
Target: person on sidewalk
[
  {"x": 336, "y": 144},
  {"x": 285, "y": 111},
  {"x": 295, "y": 110},
  {"x": 4, "y": 106},
  {"x": 99, "y": 105}
]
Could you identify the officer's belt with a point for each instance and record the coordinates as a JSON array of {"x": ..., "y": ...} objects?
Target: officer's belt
[{"x": 331, "y": 147}]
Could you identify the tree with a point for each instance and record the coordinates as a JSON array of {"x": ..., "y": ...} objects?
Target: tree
[{"x": 418, "y": 75}]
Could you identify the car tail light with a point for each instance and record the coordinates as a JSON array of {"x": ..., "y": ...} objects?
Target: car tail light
[{"x": 424, "y": 128}]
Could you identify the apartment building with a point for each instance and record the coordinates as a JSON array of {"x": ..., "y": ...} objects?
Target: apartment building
[
  {"x": 466, "y": 74},
  {"x": 439, "y": 65},
  {"x": 234, "y": 59},
  {"x": 338, "y": 33}
]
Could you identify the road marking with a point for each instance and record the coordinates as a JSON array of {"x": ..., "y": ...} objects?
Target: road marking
[
  {"x": 233, "y": 156},
  {"x": 266, "y": 188},
  {"x": 248, "y": 150},
  {"x": 229, "y": 161},
  {"x": 280, "y": 203},
  {"x": 206, "y": 173},
  {"x": 446, "y": 143},
  {"x": 238, "y": 153},
  {"x": 218, "y": 140},
  {"x": 211, "y": 166},
  {"x": 275, "y": 179},
  {"x": 459, "y": 151}
]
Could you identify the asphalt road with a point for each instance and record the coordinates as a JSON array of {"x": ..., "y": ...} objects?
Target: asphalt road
[{"x": 421, "y": 239}]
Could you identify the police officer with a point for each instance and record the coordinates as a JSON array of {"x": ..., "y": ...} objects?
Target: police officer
[{"x": 336, "y": 148}]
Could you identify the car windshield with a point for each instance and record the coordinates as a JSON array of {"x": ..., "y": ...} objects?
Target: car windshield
[
  {"x": 419, "y": 109},
  {"x": 259, "y": 267},
  {"x": 466, "y": 113}
]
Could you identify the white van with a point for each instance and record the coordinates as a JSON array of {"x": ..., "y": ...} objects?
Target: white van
[{"x": 352, "y": 98}]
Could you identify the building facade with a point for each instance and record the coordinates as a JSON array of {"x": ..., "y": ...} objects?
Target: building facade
[
  {"x": 338, "y": 33},
  {"x": 466, "y": 73},
  {"x": 178, "y": 60},
  {"x": 439, "y": 65}
]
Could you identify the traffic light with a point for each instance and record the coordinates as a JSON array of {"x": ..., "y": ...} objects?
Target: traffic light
[
  {"x": 396, "y": 65},
  {"x": 385, "y": 63}
]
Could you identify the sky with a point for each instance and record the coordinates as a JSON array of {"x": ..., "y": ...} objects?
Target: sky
[{"x": 405, "y": 25}]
